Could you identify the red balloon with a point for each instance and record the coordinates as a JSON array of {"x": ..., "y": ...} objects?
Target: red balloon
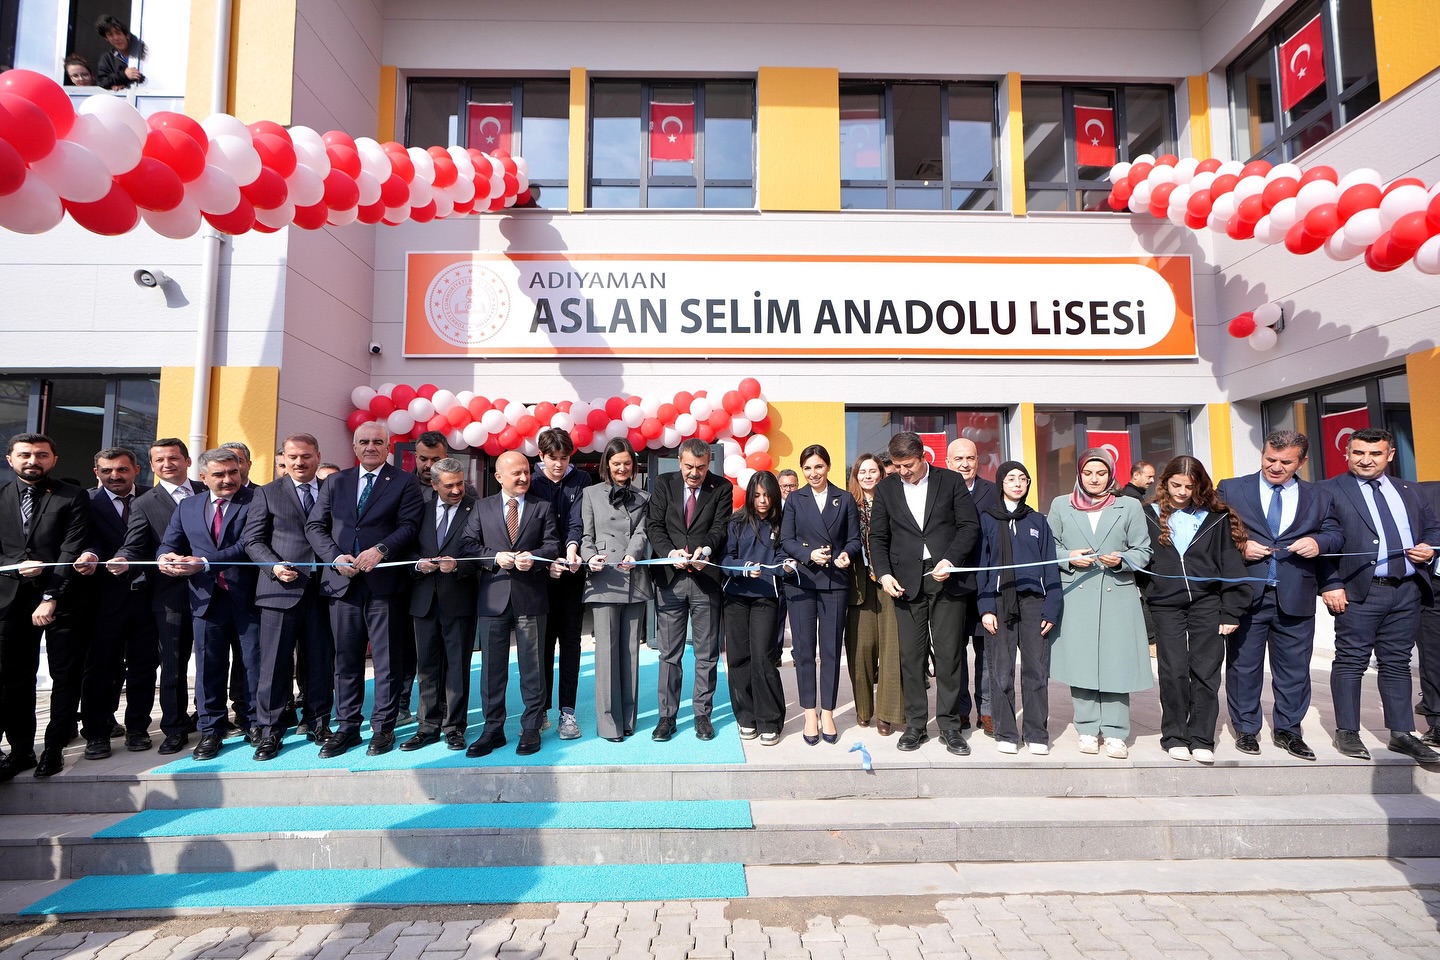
[
  {"x": 1209, "y": 165},
  {"x": 564, "y": 405},
  {"x": 719, "y": 420},
  {"x": 1322, "y": 221},
  {"x": 1199, "y": 204},
  {"x": 1138, "y": 173},
  {"x": 510, "y": 438},
  {"x": 524, "y": 198},
  {"x": 275, "y": 153},
  {"x": 261, "y": 228},
  {"x": 1281, "y": 188},
  {"x": 12, "y": 169},
  {"x": 1362, "y": 196},
  {"x": 544, "y": 412},
  {"x": 312, "y": 217},
  {"x": 459, "y": 417},
  {"x": 527, "y": 425},
  {"x": 484, "y": 169},
  {"x": 267, "y": 191},
  {"x": 462, "y": 208},
  {"x": 1250, "y": 211},
  {"x": 497, "y": 204},
  {"x": 1320, "y": 172},
  {"x": 381, "y": 405},
  {"x": 344, "y": 159},
  {"x": 667, "y": 413},
  {"x": 749, "y": 388},
  {"x": 581, "y": 434},
  {"x": 614, "y": 407},
  {"x": 500, "y": 403},
  {"x": 759, "y": 460},
  {"x": 45, "y": 93},
  {"x": 341, "y": 191},
  {"x": 426, "y": 390},
  {"x": 1238, "y": 229},
  {"x": 1298, "y": 241},
  {"x": 177, "y": 151},
  {"x": 394, "y": 192},
  {"x": 338, "y": 138},
  {"x": 632, "y": 401},
  {"x": 737, "y": 497},
  {"x": 269, "y": 128},
  {"x": 400, "y": 163},
  {"x": 1242, "y": 326},
  {"x": 512, "y": 185},
  {"x": 760, "y": 426},
  {"x": 1122, "y": 191},
  {"x": 1255, "y": 168},
  {"x": 25, "y": 127},
  {"x": 1196, "y": 222},
  {"x": 651, "y": 428},
  {"x": 403, "y": 394},
  {"x": 423, "y": 214},
  {"x": 153, "y": 185},
  {"x": 1432, "y": 214},
  {"x": 636, "y": 438},
  {"x": 1160, "y": 200},
  {"x": 1409, "y": 232},
  {"x": 477, "y": 407},
  {"x": 733, "y": 403},
  {"x": 374, "y": 213},
  {"x": 110, "y": 216},
  {"x": 237, "y": 221},
  {"x": 356, "y": 418},
  {"x": 446, "y": 172},
  {"x": 682, "y": 401},
  {"x": 1166, "y": 160},
  {"x": 1381, "y": 258},
  {"x": 165, "y": 120},
  {"x": 1116, "y": 203},
  {"x": 1223, "y": 184},
  {"x": 492, "y": 446},
  {"x": 1404, "y": 182},
  {"x": 439, "y": 423},
  {"x": 704, "y": 432},
  {"x": 598, "y": 419}
]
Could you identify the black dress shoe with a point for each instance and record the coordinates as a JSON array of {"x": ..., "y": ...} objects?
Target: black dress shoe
[
  {"x": 965, "y": 723},
  {"x": 422, "y": 739},
  {"x": 954, "y": 742},
  {"x": 912, "y": 739},
  {"x": 339, "y": 743},
  {"x": 454, "y": 740},
  {"x": 253, "y": 735},
  {"x": 616, "y": 739},
  {"x": 529, "y": 743},
  {"x": 208, "y": 748},
  {"x": 1413, "y": 747},
  {"x": 1432, "y": 737},
  {"x": 268, "y": 748},
  {"x": 138, "y": 742},
  {"x": 51, "y": 763},
  {"x": 116, "y": 730},
  {"x": 403, "y": 717},
  {"x": 173, "y": 744},
  {"x": 14, "y": 764},
  {"x": 704, "y": 729},
  {"x": 304, "y": 730},
  {"x": 664, "y": 730},
  {"x": 1349, "y": 745},
  {"x": 319, "y": 733},
  {"x": 1291, "y": 742},
  {"x": 485, "y": 746},
  {"x": 380, "y": 744},
  {"x": 1247, "y": 743},
  {"x": 97, "y": 749}
]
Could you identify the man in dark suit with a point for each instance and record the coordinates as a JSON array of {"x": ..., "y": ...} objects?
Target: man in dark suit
[
  {"x": 922, "y": 522},
  {"x": 689, "y": 514},
  {"x": 963, "y": 457},
  {"x": 365, "y": 516},
  {"x": 123, "y": 649},
  {"x": 1142, "y": 475},
  {"x": 1289, "y": 523},
  {"x": 42, "y": 522},
  {"x": 204, "y": 544},
  {"x": 1427, "y": 640},
  {"x": 513, "y": 529},
  {"x": 169, "y": 597},
  {"x": 442, "y": 607},
  {"x": 295, "y": 633},
  {"x": 557, "y": 481},
  {"x": 1376, "y": 593}
]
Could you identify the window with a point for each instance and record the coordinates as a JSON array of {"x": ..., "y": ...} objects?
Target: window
[
  {"x": 1062, "y": 436},
  {"x": 1075, "y": 134},
  {"x": 1306, "y": 77},
  {"x": 529, "y": 118},
  {"x": 918, "y": 146},
  {"x": 672, "y": 144},
  {"x": 1328, "y": 414},
  {"x": 868, "y": 430},
  {"x": 82, "y": 415}
]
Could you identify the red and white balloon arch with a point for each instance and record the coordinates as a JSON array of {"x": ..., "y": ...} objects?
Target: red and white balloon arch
[
  {"x": 108, "y": 167},
  {"x": 1358, "y": 214},
  {"x": 739, "y": 419}
]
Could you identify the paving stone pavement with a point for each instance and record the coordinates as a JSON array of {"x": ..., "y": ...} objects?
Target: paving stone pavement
[{"x": 1361, "y": 925}]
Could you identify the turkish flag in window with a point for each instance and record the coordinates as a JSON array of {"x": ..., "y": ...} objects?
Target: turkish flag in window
[
  {"x": 1302, "y": 64},
  {"x": 1095, "y": 136},
  {"x": 672, "y": 131},
  {"x": 489, "y": 125}
]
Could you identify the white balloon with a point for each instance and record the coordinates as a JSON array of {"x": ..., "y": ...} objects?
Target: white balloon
[
  {"x": 530, "y": 447},
  {"x": 74, "y": 173},
  {"x": 397, "y": 214},
  {"x": 424, "y": 165},
  {"x": 670, "y": 436},
  {"x": 224, "y": 125},
  {"x": 305, "y": 186},
  {"x": 700, "y": 408},
  {"x": 310, "y": 150},
  {"x": 113, "y": 145},
  {"x": 756, "y": 409},
  {"x": 1362, "y": 175},
  {"x": 734, "y": 464},
  {"x": 444, "y": 203},
  {"x": 421, "y": 192},
  {"x": 235, "y": 156},
  {"x": 1140, "y": 199},
  {"x": 1224, "y": 206},
  {"x": 475, "y": 435},
  {"x": 1402, "y": 200},
  {"x": 562, "y": 421},
  {"x": 444, "y": 401},
  {"x": 731, "y": 448},
  {"x": 1284, "y": 214},
  {"x": 514, "y": 410},
  {"x": 632, "y": 416},
  {"x": 462, "y": 190},
  {"x": 522, "y": 166},
  {"x": 1145, "y": 158},
  {"x": 421, "y": 409},
  {"x": 34, "y": 208},
  {"x": 361, "y": 397},
  {"x": 400, "y": 422},
  {"x": 116, "y": 110},
  {"x": 373, "y": 159},
  {"x": 214, "y": 191},
  {"x": 1159, "y": 175},
  {"x": 654, "y": 443},
  {"x": 341, "y": 218},
  {"x": 386, "y": 388},
  {"x": 464, "y": 166},
  {"x": 1179, "y": 197},
  {"x": 1365, "y": 227},
  {"x": 1185, "y": 169},
  {"x": 1202, "y": 181},
  {"x": 1341, "y": 247},
  {"x": 742, "y": 479},
  {"x": 455, "y": 438},
  {"x": 1119, "y": 172},
  {"x": 493, "y": 420},
  {"x": 1251, "y": 186},
  {"x": 522, "y": 183},
  {"x": 580, "y": 411},
  {"x": 685, "y": 425},
  {"x": 1216, "y": 222},
  {"x": 650, "y": 406},
  {"x": 1290, "y": 170},
  {"x": 1268, "y": 314},
  {"x": 282, "y": 216},
  {"x": 369, "y": 189},
  {"x": 497, "y": 183},
  {"x": 1230, "y": 168},
  {"x": 740, "y": 426},
  {"x": 1314, "y": 194},
  {"x": 177, "y": 224},
  {"x": 1427, "y": 258},
  {"x": 756, "y": 443},
  {"x": 1262, "y": 339},
  {"x": 1268, "y": 231}
]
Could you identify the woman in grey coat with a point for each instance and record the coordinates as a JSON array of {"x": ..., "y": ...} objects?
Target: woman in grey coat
[
  {"x": 614, "y": 513},
  {"x": 1100, "y": 648}
]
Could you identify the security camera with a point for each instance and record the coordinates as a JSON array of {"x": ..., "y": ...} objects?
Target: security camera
[
  {"x": 150, "y": 278},
  {"x": 374, "y": 348}
]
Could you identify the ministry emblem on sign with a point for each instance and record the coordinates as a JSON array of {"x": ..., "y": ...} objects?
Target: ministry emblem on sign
[{"x": 466, "y": 304}]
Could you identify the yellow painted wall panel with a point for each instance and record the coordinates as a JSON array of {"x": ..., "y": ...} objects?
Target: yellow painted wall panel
[
  {"x": 798, "y": 139},
  {"x": 1423, "y": 372},
  {"x": 796, "y": 425},
  {"x": 1222, "y": 443},
  {"x": 579, "y": 136},
  {"x": 262, "y": 59},
  {"x": 1015, "y": 123},
  {"x": 1029, "y": 450},
  {"x": 386, "y": 124},
  {"x": 243, "y": 401},
  {"x": 1407, "y": 45},
  {"x": 1199, "y": 116}
]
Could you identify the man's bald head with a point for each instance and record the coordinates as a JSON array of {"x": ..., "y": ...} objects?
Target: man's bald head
[
  {"x": 512, "y": 472},
  {"x": 963, "y": 457}
]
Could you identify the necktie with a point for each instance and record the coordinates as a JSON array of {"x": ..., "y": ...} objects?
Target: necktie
[
  {"x": 125, "y": 509},
  {"x": 180, "y": 493},
  {"x": 307, "y": 499},
  {"x": 1273, "y": 518},
  {"x": 1395, "y": 565},
  {"x": 216, "y": 526},
  {"x": 443, "y": 527},
  {"x": 689, "y": 507},
  {"x": 512, "y": 518},
  {"x": 27, "y": 505},
  {"x": 365, "y": 495}
]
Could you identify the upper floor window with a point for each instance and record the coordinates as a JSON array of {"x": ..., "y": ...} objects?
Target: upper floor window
[
  {"x": 672, "y": 144},
  {"x": 1306, "y": 77},
  {"x": 918, "y": 146},
  {"x": 526, "y": 118},
  {"x": 1074, "y": 134}
]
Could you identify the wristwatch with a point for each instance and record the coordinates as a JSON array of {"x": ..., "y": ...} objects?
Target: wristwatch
[
  {"x": 381, "y": 549},
  {"x": 47, "y": 597}
]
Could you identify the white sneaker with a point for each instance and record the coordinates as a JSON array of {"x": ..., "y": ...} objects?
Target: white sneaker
[
  {"x": 1180, "y": 753},
  {"x": 569, "y": 728},
  {"x": 749, "y": 733},
  {"x": 1116, "y": 749},
  {"x": 1040, "y": 749},
  {"x": 1005, "y": 746},
  {"x": 1203, "y": 756},
  {"x": 1089, "y": 744}
]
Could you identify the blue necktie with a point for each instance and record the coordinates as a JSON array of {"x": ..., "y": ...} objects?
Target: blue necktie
[
  {"x": 360, "y": 507},
  {"x": 307, "y": 499},
  {"x": 1395, "y": 565},
  {"x": 1272, "y": 518}
]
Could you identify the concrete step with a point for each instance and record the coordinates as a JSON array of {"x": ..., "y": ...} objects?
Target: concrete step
[{"x": 936, "y": 830}]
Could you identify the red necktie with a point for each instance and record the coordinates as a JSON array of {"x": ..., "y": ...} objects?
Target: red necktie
[
  {"x": 690, "y": 498},
  {"x": 217, "y": 526},
  {"x": 512, "y": 519}
]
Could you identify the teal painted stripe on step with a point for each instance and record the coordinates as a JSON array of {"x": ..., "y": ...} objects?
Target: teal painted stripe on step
[
  {"x": 589, "y": 883},
  {"x": 569, "y": 815}
]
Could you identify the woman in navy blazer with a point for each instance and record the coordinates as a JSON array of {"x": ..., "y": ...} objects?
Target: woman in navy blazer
[{"x": 821, "y": 531}]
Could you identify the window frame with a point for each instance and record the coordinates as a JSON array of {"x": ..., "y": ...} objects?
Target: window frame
[
  {"x": 900, "y": 415},
  {"x": 646, "y": 180},
  {"x": 1403, "y": 466},
  {"x": 40, "y": 411},
  {"x": 948, "y": 186}
]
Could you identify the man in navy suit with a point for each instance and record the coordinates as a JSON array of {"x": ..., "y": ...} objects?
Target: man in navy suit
[
  {"x": 513, "y": 529},
  {"x": 1376, "y": 590},
  {"x": 442, "y": 607},
  {"x": 203, "y": 544},
  {"x": 563, "y": 484},
  {"x": 1427, "y": 641},
  {"x": 1289, "y": 523},
  {"x": 124, "y": 651},
  {"x": 366, "y": 516},
  {"x": 963, "y": 457},
  {"x": 295, "y": 633}
]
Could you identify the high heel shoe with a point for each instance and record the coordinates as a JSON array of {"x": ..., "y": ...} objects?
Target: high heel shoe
[
  {"x": 830, "y": 737},
  {"x": 812, "y": 741}
]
